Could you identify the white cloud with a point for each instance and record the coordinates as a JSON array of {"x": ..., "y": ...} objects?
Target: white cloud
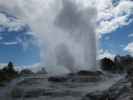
[
  {"x": 12, "y": 25},
  {"x": 2, "y": 65},
  {"x": 111, "y": 17},
  {"x": 10, "y": 43},
  {"x": 24, "y": 43},
  {"x": 33, "y": 67},
  {"x": 11, "y": 7},
  {"x": 130, "y": 35},
  {"x": 105, "y": 53},
  {"x": 129, "y": 48}
]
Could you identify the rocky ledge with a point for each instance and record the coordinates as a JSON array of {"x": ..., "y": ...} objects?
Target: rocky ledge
[
  {"x": 81, "y": 76},
  {"x": 118, "y": 91}
]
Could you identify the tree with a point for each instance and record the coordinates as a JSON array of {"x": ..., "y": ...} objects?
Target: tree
[
  {"x": 8, "y": 72},
  {"x": 107, "y": 64},
  {"x": 119, "y": 65},
  {"x": 122, "y": 63},
  {"x": 9, "y": 68}
]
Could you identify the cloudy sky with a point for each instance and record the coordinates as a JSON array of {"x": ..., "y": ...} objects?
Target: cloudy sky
[{"x": 114, "y": 31}]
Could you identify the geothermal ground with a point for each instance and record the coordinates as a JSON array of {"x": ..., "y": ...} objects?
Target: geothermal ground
[{"x": 37, "y": 87}]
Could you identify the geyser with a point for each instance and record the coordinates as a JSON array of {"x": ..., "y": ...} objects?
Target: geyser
[{"x": 65, "y": 30}]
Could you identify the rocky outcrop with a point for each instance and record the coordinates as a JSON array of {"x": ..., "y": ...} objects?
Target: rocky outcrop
[
  {"x": 119, "y": 91},
  {"x": 81, "y": 76},
  {"x": 57, "y": 79}
]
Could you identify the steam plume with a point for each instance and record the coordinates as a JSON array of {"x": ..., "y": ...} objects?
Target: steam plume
[{"x": 65, "y": 30}]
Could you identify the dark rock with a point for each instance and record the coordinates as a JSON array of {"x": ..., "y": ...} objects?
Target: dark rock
[
  {"x": 118, "y": 91},
  {"x": 120, "y": 88},
  {"x": 85, "y": 76},
  {"x": 91, "y": 73},
  {"x": 57, "y": 79},
  {"x": 98, "y": 95}
]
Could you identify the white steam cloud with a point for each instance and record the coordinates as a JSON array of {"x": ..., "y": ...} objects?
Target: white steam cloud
[{"x": 65, "y": 30}]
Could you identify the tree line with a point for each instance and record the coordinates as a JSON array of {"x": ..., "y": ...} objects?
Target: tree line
[
  {"x": 119, "y": 64},
  {"x": 9, "y": 72}
]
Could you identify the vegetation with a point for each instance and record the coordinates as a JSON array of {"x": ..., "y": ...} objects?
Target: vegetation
[
  {"x": 107, "y": 64},
  {"x": 119, "y": 64},
  {"x": 8, "y": 73}
]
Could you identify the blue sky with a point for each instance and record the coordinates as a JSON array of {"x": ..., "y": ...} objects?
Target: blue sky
[
  {"x": 11, "y": 48},
  {"x": 16, "y": 44},
  {"x": 115, "y": 28},
  {"x": 117, "y": 40}
]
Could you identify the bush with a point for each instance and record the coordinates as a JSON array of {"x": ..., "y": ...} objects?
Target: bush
[
  {"x": 119, "y": 65},
  {"x": 107, "y": 64},
  {"x": 8, "y": 72}
]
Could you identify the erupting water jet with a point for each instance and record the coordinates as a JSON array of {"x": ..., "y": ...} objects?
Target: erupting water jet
[{"x": 66, "y": 32}]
